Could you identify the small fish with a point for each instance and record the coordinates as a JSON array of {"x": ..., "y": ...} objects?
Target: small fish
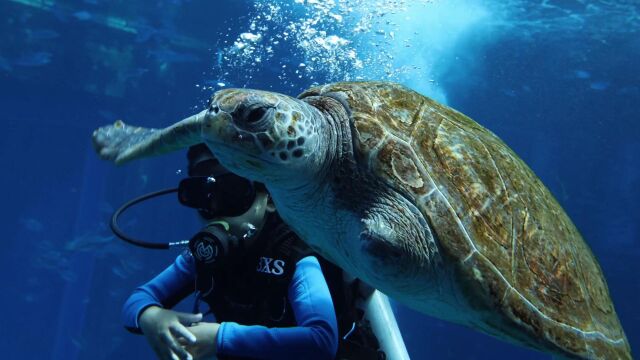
[
  {"x": 581, "y": 74},
  {"x": 51, "y": 260},
  {"x": 46, "y": 256},
  {"x": 145, "y": 32},
  {"x": 68, "y": 275},
  {"x": 131, "y": 265},
  {"x": 119, "y": 272},
  {"x": 35, "y": 59},
  {"x": 600, "y": 85},
  {"x": 41, "y": 34},
  {"x": 88, "y": 242},
  {"x": 82, "y": 15},
  {"x": 509, "y": 92},
  {"x": 78, "y": 343}
]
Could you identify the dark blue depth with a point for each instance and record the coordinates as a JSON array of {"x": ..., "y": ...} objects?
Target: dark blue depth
[{"x": 566, "y": 104}]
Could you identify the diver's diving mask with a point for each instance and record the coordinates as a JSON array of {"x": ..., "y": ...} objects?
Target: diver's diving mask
[
  {"x": 223, "y": 195},
  {"x": 234, "y": 210}
]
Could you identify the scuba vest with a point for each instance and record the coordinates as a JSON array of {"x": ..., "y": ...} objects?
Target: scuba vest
[{"x": 253, "y": 290}]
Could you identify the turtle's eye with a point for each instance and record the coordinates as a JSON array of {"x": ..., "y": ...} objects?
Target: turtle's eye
[
  {"x": 255, "y": 115},
  {"x": 254, "y": 118}
]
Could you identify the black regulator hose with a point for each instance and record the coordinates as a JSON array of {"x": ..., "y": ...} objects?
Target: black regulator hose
[{"x": 119, "y": 233}]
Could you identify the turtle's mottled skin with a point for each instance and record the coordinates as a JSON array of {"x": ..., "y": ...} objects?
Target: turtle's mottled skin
[{"x": 414, "y": 198}]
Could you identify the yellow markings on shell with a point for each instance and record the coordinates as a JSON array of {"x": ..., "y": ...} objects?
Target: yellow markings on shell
[
  {"x": 406, "y": 171},
  {"x": 295, "y": 117},
  {"x": 477, "y": 189},
  {"x": 454, "y": 151}
]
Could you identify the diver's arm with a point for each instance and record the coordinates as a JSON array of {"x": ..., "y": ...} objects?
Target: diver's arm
[
  {"x": 165, "y": 290},
  {"x": 315, "y": 337}
]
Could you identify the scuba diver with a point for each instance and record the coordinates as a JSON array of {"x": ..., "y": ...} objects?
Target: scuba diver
[{"x": 271, "y": 296}]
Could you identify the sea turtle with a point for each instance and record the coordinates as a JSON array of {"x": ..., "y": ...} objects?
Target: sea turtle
[{"x": 415, "y": 199}]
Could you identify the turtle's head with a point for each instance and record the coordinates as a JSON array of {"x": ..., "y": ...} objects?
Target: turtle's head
[{"x": 264, "y": 136}]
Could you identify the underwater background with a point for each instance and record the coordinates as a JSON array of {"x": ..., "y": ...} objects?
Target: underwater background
[{"x": 558, "y": 81}]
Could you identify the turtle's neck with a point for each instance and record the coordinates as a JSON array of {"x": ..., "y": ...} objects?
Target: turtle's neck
[
  {"x": 333, "y": 159},
  {"x": 304, "y": 207},
  {"x": 337, "y": 141}
]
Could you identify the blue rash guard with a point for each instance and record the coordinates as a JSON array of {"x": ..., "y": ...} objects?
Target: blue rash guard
[{"x": 314, "y": 337}]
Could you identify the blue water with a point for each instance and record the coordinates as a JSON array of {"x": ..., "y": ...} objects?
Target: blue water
[{"x": 558, "y": 81}]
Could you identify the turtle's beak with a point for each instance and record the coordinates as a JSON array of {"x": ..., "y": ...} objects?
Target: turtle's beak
[
  {"x": 210, "y": 113},
  {"x": 211, "y": 116},
  {"x": 217, "y": 125}
]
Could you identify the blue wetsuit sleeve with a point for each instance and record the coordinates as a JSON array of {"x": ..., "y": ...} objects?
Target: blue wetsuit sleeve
[
  {"x": 165, "y": 290},
  {"x": 315, "y": 337}
]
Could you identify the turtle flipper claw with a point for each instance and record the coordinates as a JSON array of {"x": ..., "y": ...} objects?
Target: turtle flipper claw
[{"x": 120, "y": 142}]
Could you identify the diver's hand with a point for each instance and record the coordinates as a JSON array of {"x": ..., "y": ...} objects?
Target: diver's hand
[
  {"x": 204, "y": 348},
  {"x": 163, "y": 328}
]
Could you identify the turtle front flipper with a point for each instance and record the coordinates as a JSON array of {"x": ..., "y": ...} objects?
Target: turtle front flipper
[
  {"x": 121, "y": 142},
  {"x": 394, "y": 232}
]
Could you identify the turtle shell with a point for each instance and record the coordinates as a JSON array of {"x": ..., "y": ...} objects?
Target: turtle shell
[{"x": 517, "y": 255}]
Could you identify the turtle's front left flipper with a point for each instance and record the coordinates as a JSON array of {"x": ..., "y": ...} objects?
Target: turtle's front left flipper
[{"x": 121, "y": 142}]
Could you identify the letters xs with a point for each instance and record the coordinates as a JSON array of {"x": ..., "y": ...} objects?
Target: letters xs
[{"x": 268, "y": 265}]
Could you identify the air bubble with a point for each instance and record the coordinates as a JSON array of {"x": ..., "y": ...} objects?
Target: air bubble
[{"x": 251, "y": 230}]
